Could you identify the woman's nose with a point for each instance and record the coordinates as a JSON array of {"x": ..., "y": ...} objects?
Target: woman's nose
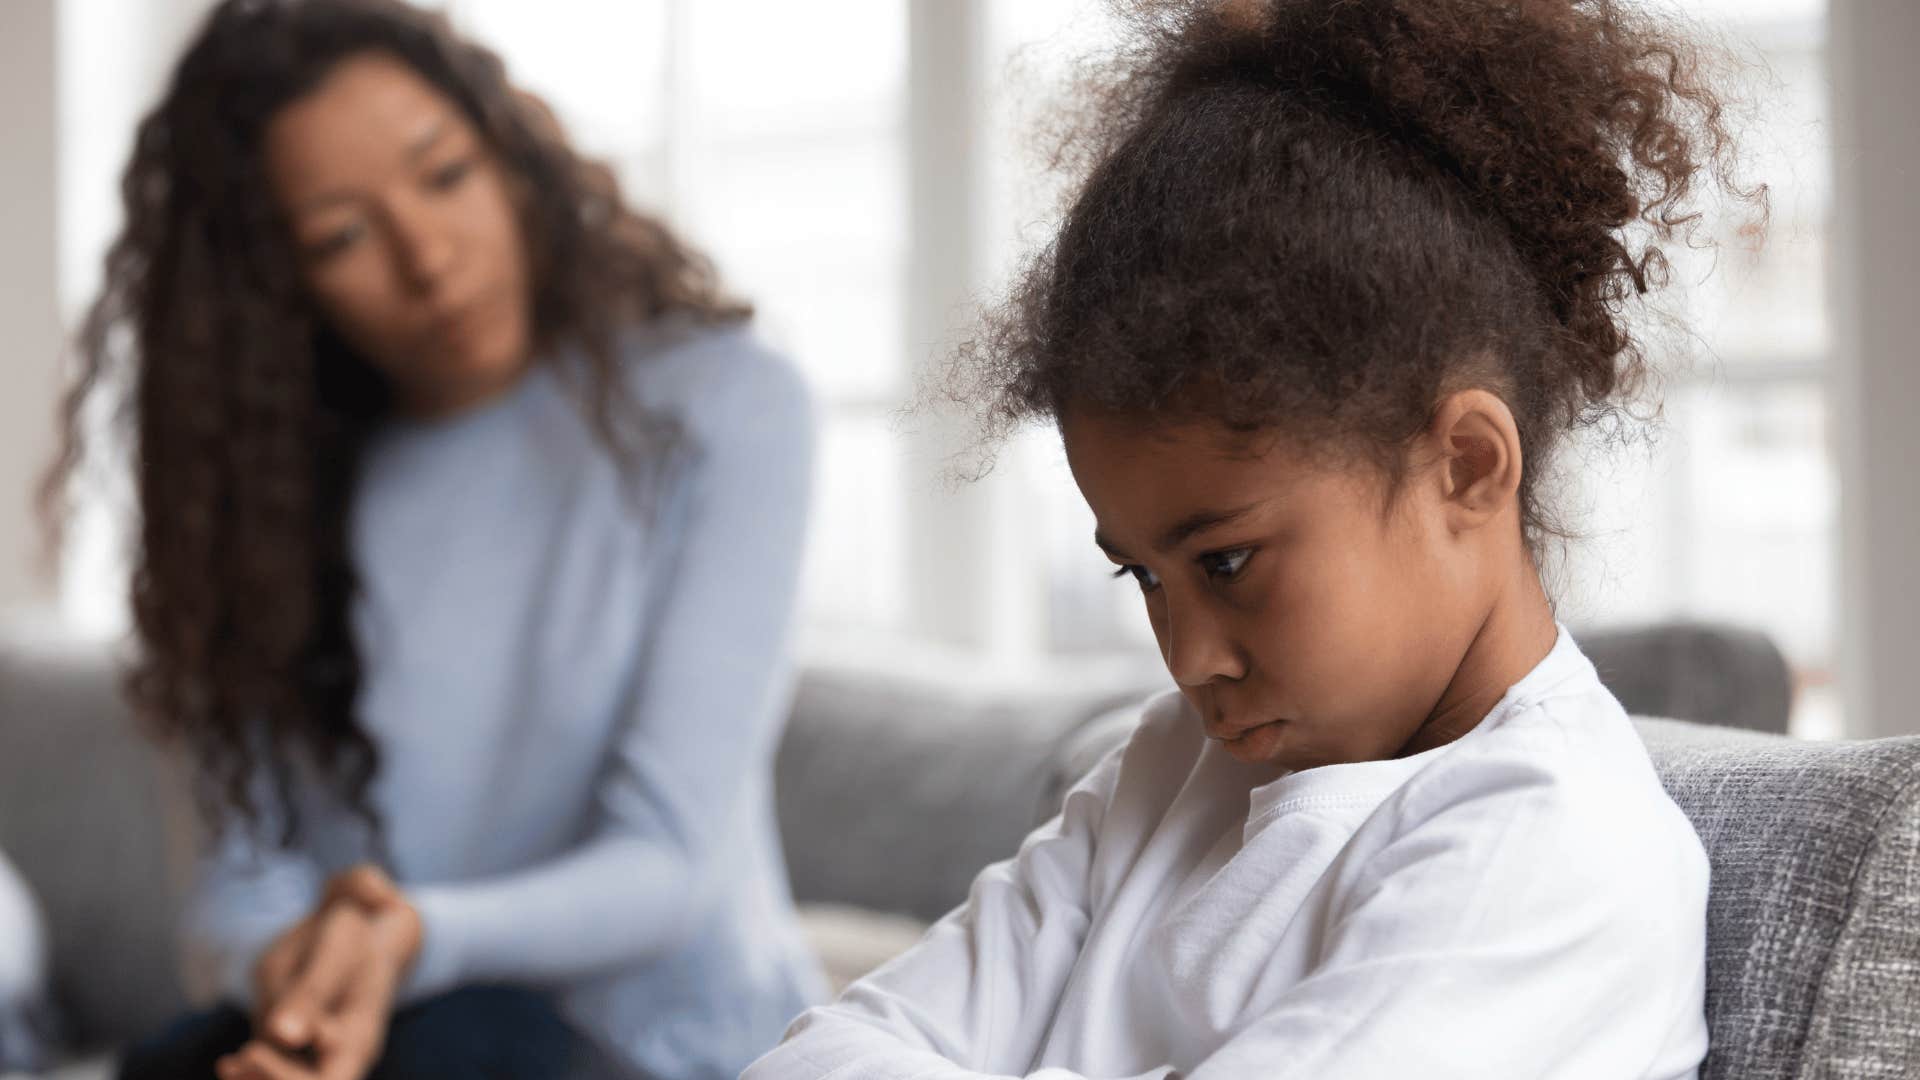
[{"x": 424, "y": 248}]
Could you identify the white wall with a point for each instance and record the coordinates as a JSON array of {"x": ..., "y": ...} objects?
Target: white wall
[
  {"x": 29, "y": 300},
  {"x": 1876, "y": 376}
]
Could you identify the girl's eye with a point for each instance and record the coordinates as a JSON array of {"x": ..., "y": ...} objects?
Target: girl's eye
[
  {"x": 1225, "y": 565},
  {"x": 1140, "y": 574},
  {"x": 448, "y": 176}
]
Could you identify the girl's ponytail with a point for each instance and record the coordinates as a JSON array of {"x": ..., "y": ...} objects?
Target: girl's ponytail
[{"x": 1319, "y": 217}]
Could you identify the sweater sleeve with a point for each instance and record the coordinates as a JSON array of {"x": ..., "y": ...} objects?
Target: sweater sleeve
[
  {"x": 976, "y": 996},
  {"x": 245, "y": 893},
  {"x": 709, "y": 700},
  {"x": 1471, "y": 946}
]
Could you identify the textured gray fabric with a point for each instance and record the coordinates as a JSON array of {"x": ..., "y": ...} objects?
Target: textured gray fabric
[
  {"x": 1705, "y": 672},
  {"x": 81, "y": 817},
  {"x": 1813, "y": 930}
]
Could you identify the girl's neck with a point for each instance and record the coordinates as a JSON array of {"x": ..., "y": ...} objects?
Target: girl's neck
[{"x": 1517, "y": 633}]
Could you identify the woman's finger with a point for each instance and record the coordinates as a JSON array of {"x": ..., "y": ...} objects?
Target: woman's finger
[
  {"x": 341, "y": 945},
  {"x": 350, "y": 1043},
  {"x": 364, "y": 884}
]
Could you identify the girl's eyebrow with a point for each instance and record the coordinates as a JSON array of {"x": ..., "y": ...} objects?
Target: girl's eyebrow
[
  {"x": 1185, "y": 529},
  {"x": 1201, "y": 521}
]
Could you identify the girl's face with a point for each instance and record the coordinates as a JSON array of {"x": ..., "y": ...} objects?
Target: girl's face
[
  {"x": 1305, "y": 624},
  {"x": 407, "y": 232}
]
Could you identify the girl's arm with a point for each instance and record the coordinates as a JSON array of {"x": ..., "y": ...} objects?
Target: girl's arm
[
  {"x": 977, "y": 995},
  {"x": 1500, "y": 937},
  {"x": 1511, "y": 933},
  {"x": 709, "y": 700}
]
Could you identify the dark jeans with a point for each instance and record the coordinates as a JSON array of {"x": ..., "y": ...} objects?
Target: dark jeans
[{"x": 488, "y": 1033}]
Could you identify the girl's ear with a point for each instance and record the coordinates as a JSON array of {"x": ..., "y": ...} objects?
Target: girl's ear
[{"x": 1478, "y": 445}]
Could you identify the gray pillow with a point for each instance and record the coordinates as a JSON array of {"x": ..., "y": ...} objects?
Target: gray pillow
[{"x": 26, "y": 1028}]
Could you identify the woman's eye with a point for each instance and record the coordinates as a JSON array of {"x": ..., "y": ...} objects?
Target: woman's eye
[
  {"x": 1140, "y": 574},
  {"x": 336, "y": 241},
  {"x": 1225, "y": 565},
  {"x": 448, "y": 176}
]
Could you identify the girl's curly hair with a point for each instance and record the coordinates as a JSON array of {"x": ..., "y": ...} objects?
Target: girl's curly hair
[
  {"x": 248, "y": 414},
  {"x": 1318, "y": 217}
]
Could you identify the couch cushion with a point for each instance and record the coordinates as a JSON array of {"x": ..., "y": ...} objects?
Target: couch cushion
[
  {"x": 81, "y": 817},
  {"x": 1813, "y": 930}
]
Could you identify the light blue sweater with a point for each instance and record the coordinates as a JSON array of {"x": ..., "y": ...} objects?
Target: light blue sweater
[{"x": 577, "y": 701}]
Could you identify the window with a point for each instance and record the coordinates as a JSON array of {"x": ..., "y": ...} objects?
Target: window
[
  {"x": 776, "y": 138},
  {"x": 772, "y": 137},
  {"x": 1732, "y": 513}
]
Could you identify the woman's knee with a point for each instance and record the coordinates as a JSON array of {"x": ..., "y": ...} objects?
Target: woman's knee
[{"x": 188, "y": 1048}]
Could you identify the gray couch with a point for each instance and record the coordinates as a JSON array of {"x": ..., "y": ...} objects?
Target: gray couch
[{"x": 894, "y": 792}]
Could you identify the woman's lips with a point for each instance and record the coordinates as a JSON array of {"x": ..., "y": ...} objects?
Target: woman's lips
[{"x": 452, "y": 325}]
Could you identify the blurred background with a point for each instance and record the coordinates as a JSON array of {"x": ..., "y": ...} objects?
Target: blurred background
[{"x": 867, "y": 170}]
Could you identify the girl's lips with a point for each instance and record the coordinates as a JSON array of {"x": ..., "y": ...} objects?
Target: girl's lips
[
  {"x": 1231, "y": 734},
  {"x": 1258, "y": 743}
]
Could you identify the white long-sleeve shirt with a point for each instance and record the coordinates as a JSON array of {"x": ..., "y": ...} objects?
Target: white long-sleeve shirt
[{"x": 1525, "y": 902}]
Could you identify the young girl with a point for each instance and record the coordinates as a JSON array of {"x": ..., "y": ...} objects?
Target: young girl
[
  {"x": 472, "y": 516},
  {"x": 1342, "y": 275}
]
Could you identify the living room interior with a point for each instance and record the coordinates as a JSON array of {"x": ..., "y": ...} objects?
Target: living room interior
[{"x": 1743, "y": 573}]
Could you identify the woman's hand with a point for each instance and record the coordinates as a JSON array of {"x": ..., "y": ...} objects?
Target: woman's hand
[{"x": 326, "y": 987}]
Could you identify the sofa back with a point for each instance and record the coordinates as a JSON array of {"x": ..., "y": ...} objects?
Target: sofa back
[
  {"x": 893, "y": 793},
  {"x": 1813, "y": 929},
  {"x": 84, "y": 819}
]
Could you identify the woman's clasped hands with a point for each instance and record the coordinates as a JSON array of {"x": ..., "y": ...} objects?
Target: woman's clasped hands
[{"x": 325, "y": 989}]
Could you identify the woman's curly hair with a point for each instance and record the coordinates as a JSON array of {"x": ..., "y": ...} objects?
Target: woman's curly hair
[
  {"x": 1319, "y": 217},
  {"x": 249, "y": 415}
]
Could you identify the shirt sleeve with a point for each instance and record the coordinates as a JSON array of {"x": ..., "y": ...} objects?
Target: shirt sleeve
[
  {"x": 245, "y": 893},
  {"x": 709, "y": 700},
  {"x": 1509, "y": 934},
  {"x": 1471, "y": 946},
  {"x": 975, "y": 997}
]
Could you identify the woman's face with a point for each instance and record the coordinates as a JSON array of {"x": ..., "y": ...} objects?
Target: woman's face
[
  {"x": 1306, "y": 625},
  {"x": 405, "y": 223}
]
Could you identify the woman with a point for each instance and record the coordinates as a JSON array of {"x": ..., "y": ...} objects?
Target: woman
[
  {"x": 1342, "y": 276},
  {"x": 471, "y": 519}
]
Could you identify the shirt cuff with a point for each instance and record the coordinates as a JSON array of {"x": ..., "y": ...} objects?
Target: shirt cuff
[
  {"x": 236, "y": 981},
  {"x": 438, "y": 966}
]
